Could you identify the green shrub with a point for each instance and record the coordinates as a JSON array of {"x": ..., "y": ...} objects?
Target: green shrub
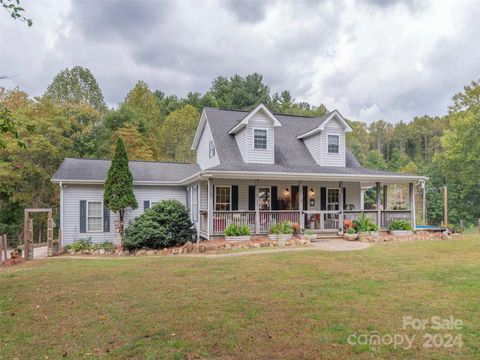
[
  {"x": 364, "y": 224},
  {"x": 237, "y": 230},
  {"x": 284, "y": 227},
  {"x": 309, "y": 232},
  {"x": 400, "y": 225},
  {"x": 350, "y": 231},
  {"x": 165, "y": 224},
  {"x": 81, "y": 244}
]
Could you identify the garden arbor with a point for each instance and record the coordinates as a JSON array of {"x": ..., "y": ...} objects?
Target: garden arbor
[{"x": 28, "y": 232}]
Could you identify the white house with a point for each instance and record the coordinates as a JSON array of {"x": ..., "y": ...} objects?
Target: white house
[{"x": 253, "y": 167}]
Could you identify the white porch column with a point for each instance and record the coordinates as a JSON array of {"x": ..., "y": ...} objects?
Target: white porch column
[
  {"x": 379, "y": 211},
  {"x": 300, "y": 204},
  {"x": 340, "y": 205},
  {"x": 411, "y": 196},
  {"x": 210, "y": 208},
  {"x": 362, "y": 198},
  {"x": 257, "y": 209}
]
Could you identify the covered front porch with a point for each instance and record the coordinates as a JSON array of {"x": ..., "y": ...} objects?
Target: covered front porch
[{"x": 319, "y": 205}]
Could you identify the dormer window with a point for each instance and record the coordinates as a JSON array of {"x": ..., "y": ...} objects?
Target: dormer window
[
  {"x": 211, "y": 149},
  {"x": 260, "y": 139},
  {"x": 333, "y": 144}
]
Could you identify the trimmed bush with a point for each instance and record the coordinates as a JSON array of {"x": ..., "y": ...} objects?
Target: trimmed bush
[
  {"x": 400, "y": 225},
  {"x": 284, "y": 227},
  {"x": 237, "y": 230},
  {"x": 165, "y": 224}
]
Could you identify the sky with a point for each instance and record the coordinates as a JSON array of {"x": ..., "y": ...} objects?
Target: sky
[{"x": 371, "y": 60}]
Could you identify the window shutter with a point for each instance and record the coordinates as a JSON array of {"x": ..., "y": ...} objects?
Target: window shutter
[
  {"x": 234, "y": 197},
  {"x": 305, "y": 197},
  {"x": 344, "y": 198},
  {"x": 106, "y": 218},
  {"x": 146, "y": 205},
  {"x": 323, "y": 198},
  {"x": 274, "y": 198},
  {"x": 251, "y": 198},
  {"x": 83, "y": 216}
]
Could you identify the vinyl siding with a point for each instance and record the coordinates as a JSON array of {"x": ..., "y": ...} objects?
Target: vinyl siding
[
  {"x": 73, "y": 194},
  {"x": 241, "y": 139},
  {"x": 203, "y": 159},
  {"x": 260, "y": 156},
  {"x": 318, "y": 145}
]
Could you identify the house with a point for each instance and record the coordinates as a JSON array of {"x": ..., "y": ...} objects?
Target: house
[{"x": 253, "y": 167}]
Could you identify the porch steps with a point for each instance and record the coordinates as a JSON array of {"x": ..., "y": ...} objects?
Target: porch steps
[{"x": 327, "y": 237}]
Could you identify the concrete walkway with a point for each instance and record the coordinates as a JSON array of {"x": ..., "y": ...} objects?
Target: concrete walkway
[{"x": 328, "y": 245}]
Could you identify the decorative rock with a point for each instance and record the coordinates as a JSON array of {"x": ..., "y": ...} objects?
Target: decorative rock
[
  {"x": 124, "y": 253},
  {"x": 174, "y": 251},
  {"x": 165, "y": 251},
  {"x": 202, "y": 249},
  {"x": 151, "y": 252},
  {"x": 180, "y": 251},
  {"x": 228, "y": 246},
  {"x": 256, "y": 245},
  {"x": 101, "y": 252},
  {"x": 188, "y": 247}
]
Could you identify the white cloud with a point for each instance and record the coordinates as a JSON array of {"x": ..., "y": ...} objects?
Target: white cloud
[{"x": 390, "y": 60}]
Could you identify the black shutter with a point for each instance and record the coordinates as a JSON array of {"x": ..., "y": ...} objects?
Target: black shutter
[
  {"x": 323, "y": 198},
  {"x": 251, "y": 197},
  {"x": 305, "y": 197},
  {"x": 274, "y": 198},
  {"x": 106, "y": 218},
  {"x": 146, "y": 205},
  {"x": 344, "y": 198},
  {"x": 234, "y": 197},
  {"x": 83, "y": 216}
]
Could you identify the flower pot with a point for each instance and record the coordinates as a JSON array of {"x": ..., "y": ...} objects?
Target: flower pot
[
  {"x": 272, "y": 237},
  {"x": 310, "y": 237},
  {"x": 351, "y": 237},
  {"x": 401, "y": 232},
  {"x": 238, "y": 238},
  {"x": 283, "y": 238}
]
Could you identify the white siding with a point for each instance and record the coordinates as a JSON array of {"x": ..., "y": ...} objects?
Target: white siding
[
  {"x": 241, "y": 138},
  {"x": 73, "y": 194},
  {"x": 318, "y": 145},
  {"x": 203, "y": 159},
  {"x": 260, "y": 156}
]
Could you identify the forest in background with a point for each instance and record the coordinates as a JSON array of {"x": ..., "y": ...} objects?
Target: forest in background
[{"x": 71, "y": 119}]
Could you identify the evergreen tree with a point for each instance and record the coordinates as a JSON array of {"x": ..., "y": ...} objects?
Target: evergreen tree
[{"x": 118, "y": 194}]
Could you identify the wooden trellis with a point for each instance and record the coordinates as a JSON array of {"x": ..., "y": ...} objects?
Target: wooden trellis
[{"x": 28, "y": 232}]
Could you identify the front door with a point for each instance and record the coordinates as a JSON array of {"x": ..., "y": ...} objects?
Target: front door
[{"x": 333, "y": 205}]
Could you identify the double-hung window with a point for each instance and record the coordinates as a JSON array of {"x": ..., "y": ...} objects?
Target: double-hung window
[
  {"x": 211, "y": 149},
  {"x": 260, "y": 139},
  {"x": 223, "y": 199},
  {"x": 94, "y": 216},
  {"x": 333, "y": 144},
  {"x": 264, "y": 198}
]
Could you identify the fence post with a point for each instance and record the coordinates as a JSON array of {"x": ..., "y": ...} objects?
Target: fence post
[
  {"x": 3, "y": 247},
  {"x": 461, "y": 226}
]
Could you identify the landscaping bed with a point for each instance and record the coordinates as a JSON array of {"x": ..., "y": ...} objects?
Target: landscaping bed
[
  {"x": 388, "y": 237},
  {"x": 190, "y": 248}
]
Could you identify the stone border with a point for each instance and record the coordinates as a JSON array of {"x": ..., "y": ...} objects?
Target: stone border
[{"x": 418, "y": 235}]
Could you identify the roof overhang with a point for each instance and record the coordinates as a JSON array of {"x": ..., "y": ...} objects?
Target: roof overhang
[
  {"x": 200, "y": 127},
  {"x": 334, "y": 114},
  {"x": 244, "y": 121},
  {"x": 101, "y": 182}
]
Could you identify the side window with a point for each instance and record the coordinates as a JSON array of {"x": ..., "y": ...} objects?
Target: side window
[
  {"x": 211, "y": 149},
  {"x": 333, "y": 144},
  {"x": 259, "y": 139},
  {"x": 195, "y": 203}
]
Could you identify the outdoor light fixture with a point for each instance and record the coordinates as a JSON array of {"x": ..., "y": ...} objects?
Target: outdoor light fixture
[
  {"x": 287, "y": 192},
  {"x": 312, "y": 192}
]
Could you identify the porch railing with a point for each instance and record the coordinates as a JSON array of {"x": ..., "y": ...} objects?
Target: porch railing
[
  {"x": 268, "y": 218},
  {"x": 221, "y": 219},
  {"x": 355, "y": 214},
  {"x": 388, "y": 216}
]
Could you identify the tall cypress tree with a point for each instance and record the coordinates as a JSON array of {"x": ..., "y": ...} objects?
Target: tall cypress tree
[{"x": 118, "y": 192}]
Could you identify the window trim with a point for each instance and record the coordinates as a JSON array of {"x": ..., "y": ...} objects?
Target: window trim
[
  {"x": 211, "y": 149},
  {"x": 258, "y": 198},
  {"x": 194, "y": 202},
  {"x": 88, "y": 205},
  {"x": 266, "y": 139},
  {"x": 215, "y": 197},
  {"x": 328, "y": 144}
]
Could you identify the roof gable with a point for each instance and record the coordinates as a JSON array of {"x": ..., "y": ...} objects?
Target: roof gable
[
  {"x": 244, "y": 121},
  {"x": 320, "y": 127}
]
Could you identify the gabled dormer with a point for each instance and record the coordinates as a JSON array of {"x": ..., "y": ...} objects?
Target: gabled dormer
[
  {"x": 326, "y": 141},
  {"x": 204, "y": 144},
  {"x": 255, "y": 136}
]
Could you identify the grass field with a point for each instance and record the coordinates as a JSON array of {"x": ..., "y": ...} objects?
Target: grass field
[{"x": 299, "y": 305}]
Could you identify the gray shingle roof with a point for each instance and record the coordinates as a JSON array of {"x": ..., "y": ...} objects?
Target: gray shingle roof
[
  {"x": 96, "y": 170},
  {"x": 289, "y": 150}
]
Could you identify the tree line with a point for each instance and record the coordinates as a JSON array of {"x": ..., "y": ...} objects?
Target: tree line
[{"x": 71, "y": 119}]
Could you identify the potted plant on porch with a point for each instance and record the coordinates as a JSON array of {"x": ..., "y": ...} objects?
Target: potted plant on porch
[
  {"x": 349, "y": 231},
  {"x": 400, "y": 228},
  {"x": 309, "y": 235},
  {"x": 235, "y": 232},
  {"x": 285, "y": 232},
  {"x": 274, "y": 231}
]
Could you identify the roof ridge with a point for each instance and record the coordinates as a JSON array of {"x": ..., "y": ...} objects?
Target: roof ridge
[{"x": 273, "y": 112}]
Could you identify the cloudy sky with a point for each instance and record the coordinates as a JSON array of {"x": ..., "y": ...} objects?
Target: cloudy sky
[{"x": 371, "y": 60}]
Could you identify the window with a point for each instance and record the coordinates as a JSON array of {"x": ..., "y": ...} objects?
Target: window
[
  {"x": 94, "y": 216},
  {"x": 211, "y": 149},
  {"x": 222, "y": 198},
  {"x": 264, "y": 198},
  {"x": 195, "y": 203},
  {"x": 259, "y": 139},
  {"x": 333, "y": 144},
  {"x": 333, "y": 196}
]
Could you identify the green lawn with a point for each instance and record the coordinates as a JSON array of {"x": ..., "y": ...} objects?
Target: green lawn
[{"x": 298, "y": 305}]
